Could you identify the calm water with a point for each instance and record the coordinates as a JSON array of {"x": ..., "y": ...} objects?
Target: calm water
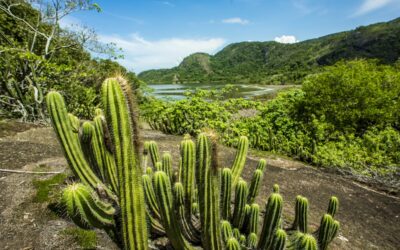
[{"x": 176, "y": 91}]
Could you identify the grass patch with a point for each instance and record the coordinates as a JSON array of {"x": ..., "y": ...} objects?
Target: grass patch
[
  {"x": 87, "y": 239},
  {"x": 44, "y": 188}
]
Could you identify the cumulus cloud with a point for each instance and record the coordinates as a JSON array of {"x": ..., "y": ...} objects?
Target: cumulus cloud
[
  {"x": 371, "y": 5},
  {"x": 142, "y": 54},
  {"x": 286, "y": 39},
  {"x": 236, "y": 20}
]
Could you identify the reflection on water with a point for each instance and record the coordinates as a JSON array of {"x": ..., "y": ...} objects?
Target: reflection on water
[{"x": 176, "y": 91}]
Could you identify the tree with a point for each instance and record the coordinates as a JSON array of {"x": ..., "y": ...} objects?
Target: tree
[
  {"x": 37, "y": 54},
  {"x": 354, "y": 95}
]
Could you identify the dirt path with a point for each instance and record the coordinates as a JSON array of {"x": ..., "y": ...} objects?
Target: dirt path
[{"x": 369, "y": 219}]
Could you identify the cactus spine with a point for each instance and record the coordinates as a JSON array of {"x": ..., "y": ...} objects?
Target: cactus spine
[
  {"x": 118, "y": 108},
  {"x": 240, "y": 159}
]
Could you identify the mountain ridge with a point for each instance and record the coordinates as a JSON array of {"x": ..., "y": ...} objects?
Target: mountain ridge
[{"x": 270, "y": 62}]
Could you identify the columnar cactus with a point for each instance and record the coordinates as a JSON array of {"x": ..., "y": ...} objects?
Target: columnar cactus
[
  {"x": 327, "y": 231},
  {"x": 131, "y": 199},
  {"x": 162, "y": 186},
  {"x": 240, "y": 159},
  {"x": 272, "y": 218},
  {"x": 333, "y": 206},
  {"x": 301, "y": 210},
  {"x": 226, "y": 186},
  {"x": 119, "y": 111},
  {"x": 240, "y": 203},
  {"x": 279, "y": 240},
  {"x": 85, "y": 209},
  {"x": 305, "y": 242},
  {"x": 209, "y": 192},
  {"x": 255, "y": 185}
]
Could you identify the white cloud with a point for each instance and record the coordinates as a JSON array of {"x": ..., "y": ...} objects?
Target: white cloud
[
  {"x": 236, "y": 20},
  {"x": 286, "y": 39},
  {"x": 141, "y": 54},
  {"x": 371, "y": 5},
  {"x": 167, "y": 3}
]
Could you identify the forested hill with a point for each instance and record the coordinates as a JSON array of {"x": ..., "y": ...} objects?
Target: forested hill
[{"x": 277, "y": 63}]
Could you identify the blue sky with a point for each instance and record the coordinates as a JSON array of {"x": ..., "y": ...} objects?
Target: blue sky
[{"x": 159, "y": 34}]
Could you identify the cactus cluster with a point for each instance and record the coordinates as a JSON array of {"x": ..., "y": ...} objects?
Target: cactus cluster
[{"x": 199, "y": 203}]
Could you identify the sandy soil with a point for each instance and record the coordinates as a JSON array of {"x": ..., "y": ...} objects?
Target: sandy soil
[{"x": 369, "y": 219}]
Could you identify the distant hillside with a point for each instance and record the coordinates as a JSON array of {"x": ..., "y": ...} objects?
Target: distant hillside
[{"x": 277, "y": 63}]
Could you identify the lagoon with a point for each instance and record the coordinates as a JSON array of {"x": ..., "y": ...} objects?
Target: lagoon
[{"x": 176, "y": 92}]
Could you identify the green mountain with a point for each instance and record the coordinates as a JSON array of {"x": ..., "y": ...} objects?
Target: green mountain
[{"x": 276, "y": 63}]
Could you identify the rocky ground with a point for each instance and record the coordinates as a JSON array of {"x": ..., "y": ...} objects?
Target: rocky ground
[{"x": 369, "y": 219}]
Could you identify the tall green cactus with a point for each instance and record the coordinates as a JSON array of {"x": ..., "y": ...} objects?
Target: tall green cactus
[
  {"x": 167, "y": 164},
  {"x": 192, "y": 210},
  {"x": 255, "y": 185},
  {"x": 279, "y": 240},
  {"x": 252, "y": 225},
  {"x": 333, "y": 206},
  {"x": 327, "y": 231},
  {"x": 154, "y": 152},
  {"x": 103, "y": 156},
  {"x": 119, "y": 111},
  {"x": 240, "y": 203},
  {"x": 209, "y": 192},
  {"x": 69, "y": 141},
  {"x": 162, "y": 186},
  {"x": 272, "y": 217},
  {"x": 305, "y": 242},
  {"x": 240, "y": 159},
  {"x": 262, "y": 164},
  {"x": 226, "y": 186},
  {"x": 187, "y": 172},
  {"x": 301, "y": 214}
]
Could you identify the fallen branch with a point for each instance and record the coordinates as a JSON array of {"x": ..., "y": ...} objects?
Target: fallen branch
[{"x": 29, "y": 172}]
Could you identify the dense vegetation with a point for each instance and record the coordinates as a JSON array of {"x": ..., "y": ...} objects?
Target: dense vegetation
[
  {"x": 277, "y": 63},
  {"x": 345, "y": 117},
  {"x": 36, "y": 55}
]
